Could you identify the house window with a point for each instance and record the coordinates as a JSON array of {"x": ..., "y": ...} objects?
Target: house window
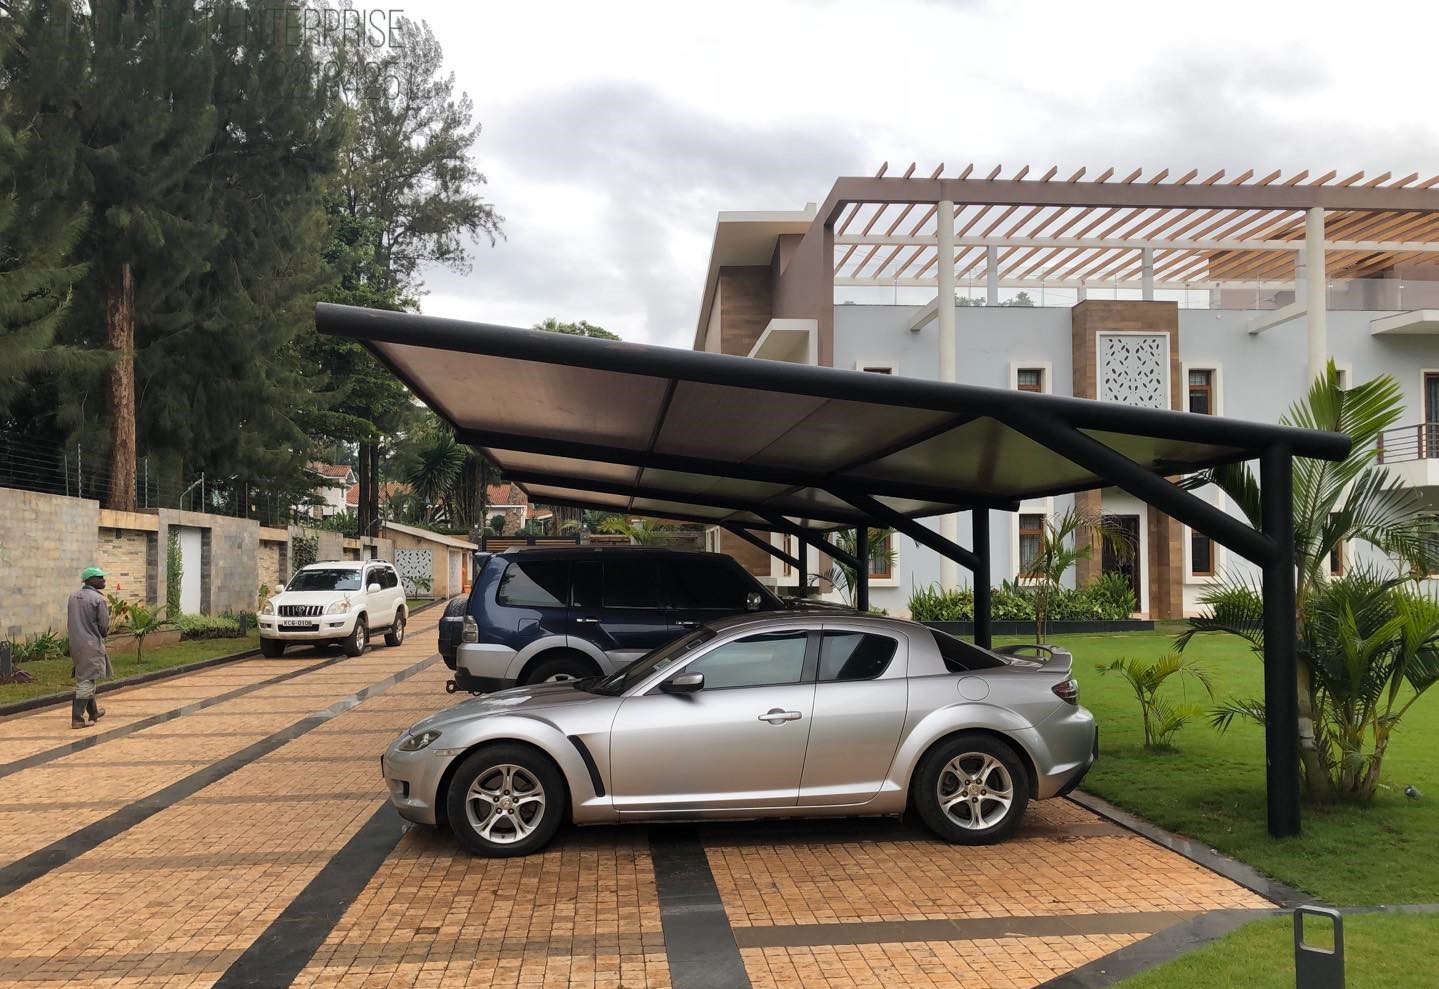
[
  {"x": 1336, "y": 559},
  {"x": 1031, "y": 539},
  {"x": 881, "y": 557},
  {"x": 791, "y": 546},
  {"x": 1201, "y": 391},
  {"x": 1201, "y": 555},
  {"x": 1030, "y": 379},
  {"x": 878, "y": 369}
]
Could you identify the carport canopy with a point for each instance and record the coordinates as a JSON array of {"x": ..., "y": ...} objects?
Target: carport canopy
[{"x": 767, "y": 445}]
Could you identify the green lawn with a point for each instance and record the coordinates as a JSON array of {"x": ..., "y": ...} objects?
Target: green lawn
[
  {"x": 53, "y": 675},
  {"x": 1212, "y": 787},
  {"x": 1381, "y": 951}
]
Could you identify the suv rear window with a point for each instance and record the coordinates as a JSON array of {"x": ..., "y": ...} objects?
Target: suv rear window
[
  {"x": 709, "y": 584},
  {"x": 535, "y": 584},
  {"x": 963, "y": 657}
]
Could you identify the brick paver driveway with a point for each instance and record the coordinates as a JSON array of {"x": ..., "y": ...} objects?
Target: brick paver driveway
[{"x": 228, "y": 828}]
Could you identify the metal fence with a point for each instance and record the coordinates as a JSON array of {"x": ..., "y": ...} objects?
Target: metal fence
[{"x": 1403, "y": 443}]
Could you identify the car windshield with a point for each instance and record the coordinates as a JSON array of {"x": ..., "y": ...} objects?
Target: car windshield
[
  {"x": 662, "y": 658},
  {"x": 326, "y": 579}
]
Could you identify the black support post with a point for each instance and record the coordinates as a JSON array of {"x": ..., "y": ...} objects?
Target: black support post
[
  {"x": 983, "y": 607},
  {"x": 1281, "y": 668},
  {"x": 861, "y": 574},
  {"x": 803, "y": 568}
]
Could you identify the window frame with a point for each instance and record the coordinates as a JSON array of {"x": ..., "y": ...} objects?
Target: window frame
[
  {"x": 1020, "y": 532},
  {"x": 1216, "y": 384},
  {"x": 1046, "y": 376},
  {"x": 808, "y": 668},
  {"x": 1207, "y": 388},
  {"x": 1194, "y": 571}
]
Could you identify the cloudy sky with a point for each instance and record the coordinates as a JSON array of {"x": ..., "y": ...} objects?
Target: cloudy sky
[{"x": 614, "y": 132}]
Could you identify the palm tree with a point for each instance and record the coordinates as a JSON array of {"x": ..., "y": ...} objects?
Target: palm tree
[
  {"x": 1063, "y": 542},
  {"x": 1334, "y": 503},
  {"x": 843, "y": 577},
  {"x": 642, "y": 532}
]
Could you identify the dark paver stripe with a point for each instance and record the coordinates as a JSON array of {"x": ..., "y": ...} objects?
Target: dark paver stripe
[
  {"x": 699, "y": 944},
  {"x": 90, "y": 741},
  {"x": 283, "y": 949},
  {"x": 77, "y": 843},
  {"x": 902, "y": 931}
]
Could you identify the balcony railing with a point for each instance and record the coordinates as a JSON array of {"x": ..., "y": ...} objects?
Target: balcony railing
[{"x": 1406, "y": 443}]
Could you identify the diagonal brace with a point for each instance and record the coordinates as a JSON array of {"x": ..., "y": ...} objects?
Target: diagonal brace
[
  {"x": 888, "y": 517},
  {"x": 813, "y": 538},
  {"x": 772, "y": 550}
]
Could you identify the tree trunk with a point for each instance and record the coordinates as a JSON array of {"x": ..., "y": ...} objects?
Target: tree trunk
[
  {"x": 120, "y": 337},
  {"x": 1318, "y": 785},
  {"x": 374, "y": 512}
]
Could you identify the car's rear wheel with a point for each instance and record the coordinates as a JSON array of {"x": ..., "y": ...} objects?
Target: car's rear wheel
[
  {"x": 354, "y": 644},
  {"x": 971, "y": 790},
  {"x": 506, "y": 800},
  {"x": 395, "y": 635},
  {"x": 559, "y": 669},
  {"x": 272, "y": 648}
]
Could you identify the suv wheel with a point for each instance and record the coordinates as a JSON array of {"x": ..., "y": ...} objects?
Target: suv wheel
[
  {"x": 971, "y": 790},
  {"x": 395, "y": 634},
  {"x": 560, "y": 669},
  {"x": 272, "y": 648},
  {"x": 505, "y": 800},
  {"x": 354, "y": 644}
]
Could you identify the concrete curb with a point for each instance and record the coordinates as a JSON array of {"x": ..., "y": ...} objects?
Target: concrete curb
[{"x": 50, "y": 700}]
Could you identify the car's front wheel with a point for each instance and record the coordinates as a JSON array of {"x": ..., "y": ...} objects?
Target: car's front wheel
[
  {"x": 971, "y": 790},
  {"x": 272, "y": 648},
  {"x": 506, "y": 800},
  {"x": 354, "y": 644}
]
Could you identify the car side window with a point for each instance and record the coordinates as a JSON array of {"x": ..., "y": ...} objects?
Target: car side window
[
  {"x": 854, "y": 656},
  {"x": 962, "y": 657},
  {"x": 392, "y": 579},
  {"x": 708, "y": 584},
  {"x": 764, "y": 660},
  {"x": 535, "y": 584},
  {"x": 632, "y": 583},
  {"x": 586, "y": 582}
]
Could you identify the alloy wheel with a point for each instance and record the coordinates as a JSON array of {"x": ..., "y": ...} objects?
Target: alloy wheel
[
  {"x": 975, "y": 791},
  {"x": 505, "y": 804}
]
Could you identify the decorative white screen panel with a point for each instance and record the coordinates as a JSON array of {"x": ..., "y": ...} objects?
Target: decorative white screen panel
[
  {"x": 1134, "y": 369},
  {"x": 412, "y": 564}
]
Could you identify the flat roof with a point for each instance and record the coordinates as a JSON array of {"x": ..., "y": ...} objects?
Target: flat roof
[{"x": 713, "y": 438}]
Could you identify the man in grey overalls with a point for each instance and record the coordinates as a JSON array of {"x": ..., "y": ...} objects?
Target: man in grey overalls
[{"x": 88, "y": 622}]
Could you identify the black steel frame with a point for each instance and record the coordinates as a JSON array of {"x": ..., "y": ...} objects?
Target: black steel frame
[{"x": 1062, "y": 425}]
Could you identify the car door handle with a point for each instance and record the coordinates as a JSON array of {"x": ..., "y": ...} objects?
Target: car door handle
[
  {"x": 587, "y": 620},
  {"x": 776, "y": 717},
  {"x": 686, "y": 623}
]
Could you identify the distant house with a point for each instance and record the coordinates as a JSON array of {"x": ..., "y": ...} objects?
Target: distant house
[
  {"x": 334, "y": 486},
  {"x": 388, "y": 491},
  {"x": 511, "y": 501}
]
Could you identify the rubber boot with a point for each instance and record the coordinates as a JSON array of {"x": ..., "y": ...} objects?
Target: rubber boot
[
  {"x": 77, "y": 714},
  {"x": 96, "y": 711}
]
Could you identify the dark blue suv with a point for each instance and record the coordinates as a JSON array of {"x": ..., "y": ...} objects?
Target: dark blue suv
[{"x": 567, "y": 613}]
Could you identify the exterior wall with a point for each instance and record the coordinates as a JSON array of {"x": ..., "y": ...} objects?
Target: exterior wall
[
  {"x": 45, "y": 541},
  {"x": 745, "y": 307},
  {"x": 272, "y": 560},
  {"x": 229, "y": 574},
  {"x": 126, "y": 548},
  {"x": 449, "y": 572},
  {"x": 1256, "y": 378}
]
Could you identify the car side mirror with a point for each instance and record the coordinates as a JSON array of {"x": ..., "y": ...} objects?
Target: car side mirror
[
  {"x": 753, "y": 601},
  {"x": 280, "y": 589},
  {"x": 685, "y": 683},
  {"x": 373, "y": 589}
]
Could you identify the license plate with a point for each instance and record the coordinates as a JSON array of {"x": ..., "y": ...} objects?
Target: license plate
[{"x": 300, "y": 626}]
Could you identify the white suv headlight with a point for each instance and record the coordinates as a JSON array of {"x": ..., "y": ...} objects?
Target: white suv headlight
[
  {"x": 268, "y": 608},
  {"x": 338, "y": 607}
]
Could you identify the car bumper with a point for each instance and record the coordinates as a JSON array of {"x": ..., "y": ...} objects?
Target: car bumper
[
  {"x": 1064, "y": 748},
  {"x": 413, "y": 779},
  {"x": 326, "y": 627},
  {"x": 484, "y": 667}
]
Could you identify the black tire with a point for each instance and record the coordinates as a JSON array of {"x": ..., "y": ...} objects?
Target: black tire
[
  {"x": 395, "y": 634},
  {"x": 488, "y": 828},
  {"x": 560, "y": 668},
  {"x": 272, "y": 648},
  {"x": 983, "y": 763},
  {"x": 354, "y": 644}
]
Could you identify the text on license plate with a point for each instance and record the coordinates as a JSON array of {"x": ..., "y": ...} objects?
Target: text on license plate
[{"x": 298, "y": 623}]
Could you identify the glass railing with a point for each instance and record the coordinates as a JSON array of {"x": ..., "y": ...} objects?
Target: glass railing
[{"x": 1341, "y": 294}]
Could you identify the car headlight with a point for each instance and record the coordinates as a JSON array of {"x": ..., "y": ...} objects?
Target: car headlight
[
  {"x": 414, "y": 743},
  {"x": 339, "y": 607},
  {"x": 268, "y": 608}
]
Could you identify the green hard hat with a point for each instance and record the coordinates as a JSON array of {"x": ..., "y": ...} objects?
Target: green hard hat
[{"x": 89, "y": 572}]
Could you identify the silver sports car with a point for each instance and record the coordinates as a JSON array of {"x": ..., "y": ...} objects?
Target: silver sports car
[{"x": 767, "y": 715}]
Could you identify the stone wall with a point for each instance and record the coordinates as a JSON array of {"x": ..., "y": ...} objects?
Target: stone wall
[
  {"x": 45, "y": 541},
  {"x": 229, "y": 565},
  {"x": 127, "y": 555},
  {"x": 272, "y": 563}
]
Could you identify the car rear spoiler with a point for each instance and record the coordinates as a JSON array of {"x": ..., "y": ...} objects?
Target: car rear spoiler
[{"x": 1055, "y": 659}]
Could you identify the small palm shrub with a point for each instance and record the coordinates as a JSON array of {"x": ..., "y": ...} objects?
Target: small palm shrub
[{"x": 1161, "y": 717}]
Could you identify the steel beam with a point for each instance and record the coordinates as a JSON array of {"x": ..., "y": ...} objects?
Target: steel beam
[
  {"x": 1145, "y": 485},
  {"x": 782, "y": 524},
  {"x": 763, "y": 544},
  {"x": 888, "y": 517},
  {"x": 983, "y": 592},
  {"x": 861, "y": 572},
  {"x": 1281, "y": 667}
]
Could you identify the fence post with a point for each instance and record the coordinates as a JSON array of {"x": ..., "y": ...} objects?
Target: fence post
[{"x": 79, "y": 473}]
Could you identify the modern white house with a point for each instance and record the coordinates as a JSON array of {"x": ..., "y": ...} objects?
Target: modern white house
[{"x": 1209, "y": 293}]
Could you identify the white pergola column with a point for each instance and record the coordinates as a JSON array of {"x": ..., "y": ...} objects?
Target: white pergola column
[
  {"x": 1146, "y": 274},
  {"x": 1315, "y": 295},
  {"x": 949, "y": 524},
  {"x": 991, "y": 275}
]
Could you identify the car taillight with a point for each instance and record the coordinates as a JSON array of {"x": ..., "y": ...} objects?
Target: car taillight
[
  {"x": 1067, "y": 691},
  {"x": 470, "y": 632}
]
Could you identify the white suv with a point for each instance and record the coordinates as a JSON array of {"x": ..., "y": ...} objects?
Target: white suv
[{"x": 342, "y": 601}]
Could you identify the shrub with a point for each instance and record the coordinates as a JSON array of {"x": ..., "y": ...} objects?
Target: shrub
[
  {"x": 207, "y": 626},
  {"x": 304, "y": 550},
  {"x": 930, "y": 604},
  {"x": 48, "y": 644},
  {"x": 1109, "y": 599}
]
